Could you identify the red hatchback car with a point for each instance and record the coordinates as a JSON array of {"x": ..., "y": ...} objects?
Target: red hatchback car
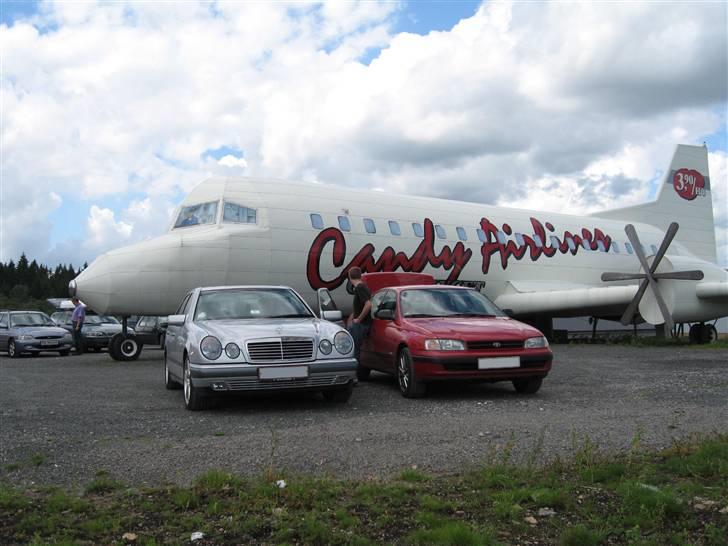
[{"x": 427, "y": 332}]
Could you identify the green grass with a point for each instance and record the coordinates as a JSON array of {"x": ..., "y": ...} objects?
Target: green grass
[{"x": 641, "y": 498}]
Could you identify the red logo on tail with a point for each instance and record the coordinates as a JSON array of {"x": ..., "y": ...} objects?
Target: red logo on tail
[{"x": 688, "y": 184}]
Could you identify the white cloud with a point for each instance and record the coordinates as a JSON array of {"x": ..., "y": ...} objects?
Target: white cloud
[
  {"x": 537, "y": 104},
  {"x": 232, "y": 161}
]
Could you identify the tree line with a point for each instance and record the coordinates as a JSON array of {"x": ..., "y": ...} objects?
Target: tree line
[{"x": 26, "y": 284}]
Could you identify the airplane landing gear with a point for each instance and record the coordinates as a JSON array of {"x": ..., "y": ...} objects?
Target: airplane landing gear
[
  {"x": 124, "y": 346},
  {"x": 703, "y": 333}
]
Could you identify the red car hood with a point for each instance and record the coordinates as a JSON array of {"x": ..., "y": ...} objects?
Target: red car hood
[{"x": 472, "y": 328}]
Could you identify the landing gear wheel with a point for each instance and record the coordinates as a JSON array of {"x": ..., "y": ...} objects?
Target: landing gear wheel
[
  {"x": 125, "y": 348},
  {"x": 362, "y": 373},
  {"x": 408, "y": 384},
  {"x": 64, "y": 353},
  {"x": 709, "y": 333},
  {"x": 13, "y": 350},
  {"x": 529, "y": 385},
  {"x": 195, "y": 399},
  {"x": 169, "y": 383},
  {"x": 341, "y": 395},
  {"x": 694, "y": 334}
]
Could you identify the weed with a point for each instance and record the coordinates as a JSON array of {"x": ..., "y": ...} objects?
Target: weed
[
  {"x": 413, "y": 475},
  {"x": 215, "y": 480},
  {"x": 103, "y": 483},
  {"x": 453, "y": 533},
  {"x": 37, "y": 459},
  {"x": 12, "y": 467},
  {"x": 580, "y": 535}
]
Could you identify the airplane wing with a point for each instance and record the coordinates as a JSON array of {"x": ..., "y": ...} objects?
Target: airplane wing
[{"x": 564, "y": 299}]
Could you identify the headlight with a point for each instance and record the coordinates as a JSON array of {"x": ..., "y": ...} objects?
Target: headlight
[
  {"x": 444, "y": 345},
  {"x": 67, "y": 335},
  {"x": 94, "y": 333},
  {"x": 536, "y": 342},
  {"x": 232, "y": 350},
  {"x": 325, "y": 346},
  {"x": 25, "y": 337},
  {"x": 211, "y": 348},
  {"x": 343, "y": 343}
]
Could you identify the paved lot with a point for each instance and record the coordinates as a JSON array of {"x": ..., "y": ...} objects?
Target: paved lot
[{"x": 64, "y": 419}]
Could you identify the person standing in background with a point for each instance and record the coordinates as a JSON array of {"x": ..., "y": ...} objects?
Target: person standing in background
[
  {"x": 77, "y": 318},
  {"x": 360, "y": 320}
]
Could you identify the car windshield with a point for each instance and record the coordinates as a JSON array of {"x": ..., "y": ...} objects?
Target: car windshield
[
  {"x": 18, "y": 320},
  {"x": 92, "y": 319},
  {"x": 447, "y": 302},
  {"x": 105, "y": 319},
  {"x": 250, "y": 303}
]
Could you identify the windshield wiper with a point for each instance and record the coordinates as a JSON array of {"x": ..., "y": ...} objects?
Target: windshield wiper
[
  {"x": 470, "y": 315},
  {"x": 296, "y": 315}
]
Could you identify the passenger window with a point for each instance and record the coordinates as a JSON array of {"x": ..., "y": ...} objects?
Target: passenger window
[
  {"x": 4, "y": 320},
  {"x": 461, "y": 234},
  {"x": 519, "y": 239},
  {"x": 538, "y": 241},
  {"x": 317, "y": 222},
  {"x": 417, "y": 229},
  {"x": 188, "y": 305},
  {"x": 369, "y": 225},
  {"x": 440, "y": 232},
  {"x": 195, "y": 215},
  {"x": 344, "y": 223},
  {"x": 481, "y": 235},
  {"x": 238, "y": 214},
  {"x": 384, "y": 299},
  {"x": 629, "y": 248},
  {"x": 394, "y": 228},
  {"x": 501, "y": 237}
]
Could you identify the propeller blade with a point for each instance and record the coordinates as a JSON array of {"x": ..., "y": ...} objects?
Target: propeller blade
[
  {"x": 609, "y": 276},
  {"x": 635, "y": 240},
  {"x": 669, "y": 236},
  {"x": 694, "y": 275},
  {"x": 629, "y": 313},
  {"x": 660, "y": 302}
]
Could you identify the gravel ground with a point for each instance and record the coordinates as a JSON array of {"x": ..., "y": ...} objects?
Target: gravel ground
[{"x": 65, "y": 419}]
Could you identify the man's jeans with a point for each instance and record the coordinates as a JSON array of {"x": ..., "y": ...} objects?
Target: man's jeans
[
  {"x": 78, "y": 341},
  {"x": 358, "y": 331}
]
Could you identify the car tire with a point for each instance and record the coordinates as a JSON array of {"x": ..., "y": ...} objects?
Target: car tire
[
  {"x": 408, "y": 384},
  {"x": 528, "y": 385},
  {"x": 64, "y": 353},
  {"x": 13, "y": 349},
  {"x": 169, "y": 383},
  {"x": 195, "y": 399},
  {"x": 708, "y": 334},
  {"x": 362, "y": 373},
  {"x": 341, "y": 395}
]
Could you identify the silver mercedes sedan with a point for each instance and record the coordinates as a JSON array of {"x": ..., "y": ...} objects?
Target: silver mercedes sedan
[{"x": 255, "y": 338}]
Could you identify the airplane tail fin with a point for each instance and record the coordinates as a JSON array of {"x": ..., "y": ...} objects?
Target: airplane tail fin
[{"x": 684, "y": 197}]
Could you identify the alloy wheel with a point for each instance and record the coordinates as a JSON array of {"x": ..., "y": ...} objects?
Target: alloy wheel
[{"x": 403, "y": 373}]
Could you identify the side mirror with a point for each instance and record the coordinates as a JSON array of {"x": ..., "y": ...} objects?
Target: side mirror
[
  {"x": 326, "y": 304},
  {"x": 163, "y": 323},
  {"x": 176, "y": 320},
  {"x": 332, "y": 316},
  {"x": 384, "y": 314}
]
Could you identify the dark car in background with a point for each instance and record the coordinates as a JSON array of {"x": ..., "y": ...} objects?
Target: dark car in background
[
  {"x": 151, "y": 330},
  {"x": 97, "y": 330},
  {"x": 32, "y": 332}
]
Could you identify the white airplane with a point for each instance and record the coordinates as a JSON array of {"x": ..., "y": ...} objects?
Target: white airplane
[{"x": 539, "y": 265}]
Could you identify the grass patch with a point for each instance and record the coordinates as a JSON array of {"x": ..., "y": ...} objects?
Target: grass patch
[{"x": 592, "y": 499}]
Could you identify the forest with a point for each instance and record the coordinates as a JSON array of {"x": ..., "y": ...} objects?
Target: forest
[{"x": 27, "y": 285}]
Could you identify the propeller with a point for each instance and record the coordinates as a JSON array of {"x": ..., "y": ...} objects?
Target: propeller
[{"x": 650, "y": 277}]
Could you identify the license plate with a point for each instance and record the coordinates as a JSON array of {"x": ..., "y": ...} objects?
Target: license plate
[
  {"x": 47, "y": 342},
  {"x": 499, "y": 362},
  {"x": 287, "y": 372}
]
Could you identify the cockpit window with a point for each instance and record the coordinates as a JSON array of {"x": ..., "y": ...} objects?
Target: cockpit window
[
  {"x": 195, "y": 215},
  {"x": 238, "y": 214}
]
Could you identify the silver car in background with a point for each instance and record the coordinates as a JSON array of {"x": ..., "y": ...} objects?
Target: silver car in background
[{"x": 255, "y": 338}]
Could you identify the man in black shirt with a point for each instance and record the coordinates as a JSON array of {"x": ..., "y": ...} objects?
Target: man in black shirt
[{"x": 360, "y": 319}]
